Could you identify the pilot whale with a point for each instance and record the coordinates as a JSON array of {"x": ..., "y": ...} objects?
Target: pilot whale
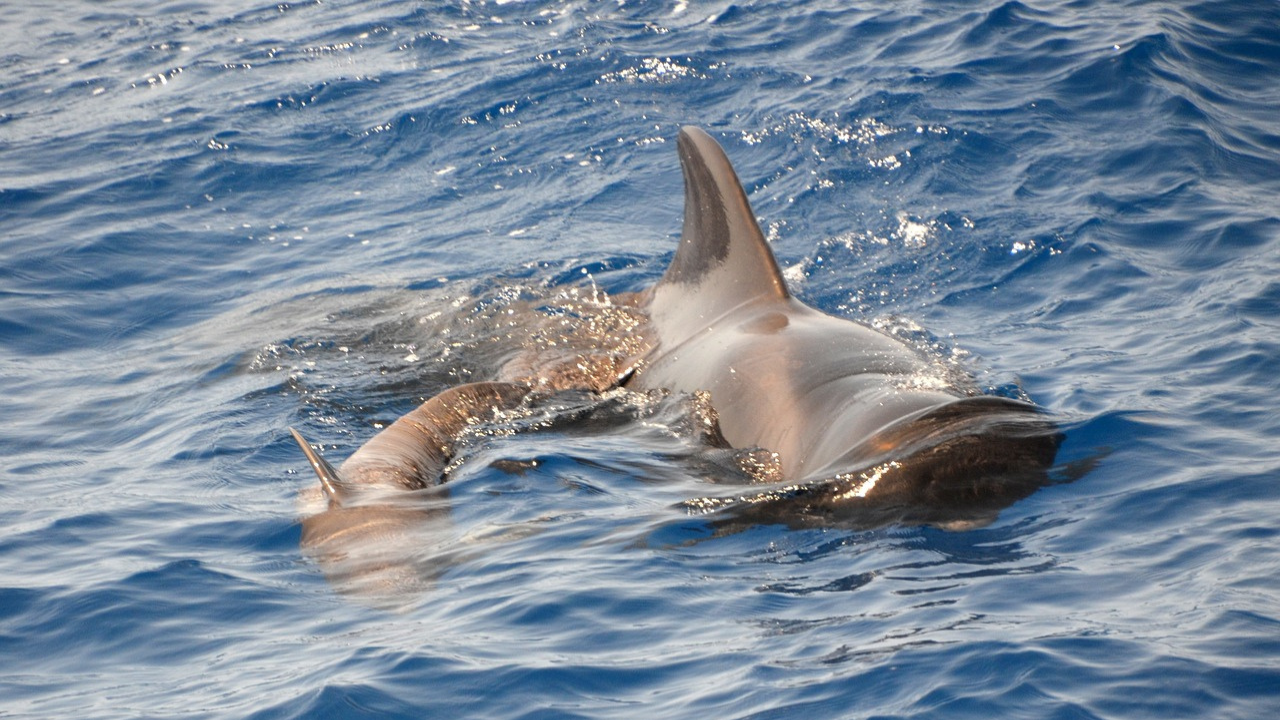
[
  {"x": 856, "y": 423},
  {"x": 861, "y": 422}
]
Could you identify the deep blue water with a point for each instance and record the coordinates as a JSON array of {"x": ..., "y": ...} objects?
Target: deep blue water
[{"x": 218, "y": 220}]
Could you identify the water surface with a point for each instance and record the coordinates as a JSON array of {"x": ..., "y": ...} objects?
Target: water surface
[{"x": 218, "y": 220}]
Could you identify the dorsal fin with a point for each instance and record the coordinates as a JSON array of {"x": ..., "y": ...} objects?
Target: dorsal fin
[
  {"x": 334, "y": 489},
  {"x": 723, "y": 260}
]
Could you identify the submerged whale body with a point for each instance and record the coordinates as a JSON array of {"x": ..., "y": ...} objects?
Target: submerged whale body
[{"x": 859, "y": 427}]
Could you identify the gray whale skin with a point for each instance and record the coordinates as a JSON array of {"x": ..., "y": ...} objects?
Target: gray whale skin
[{"x": 862, "y": 428}]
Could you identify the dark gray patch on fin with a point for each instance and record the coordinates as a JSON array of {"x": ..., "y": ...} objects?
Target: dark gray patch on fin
[{"x": 705, "y": 237}]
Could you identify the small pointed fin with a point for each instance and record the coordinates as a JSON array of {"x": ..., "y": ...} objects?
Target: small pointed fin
[
  {"x": 413, "y": 452},
  {"x": 723, "y": 260},
  {"x": 329, "y": 479}
]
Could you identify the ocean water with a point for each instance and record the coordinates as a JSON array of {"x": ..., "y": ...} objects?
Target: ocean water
[{"x": 220, "y": 220}]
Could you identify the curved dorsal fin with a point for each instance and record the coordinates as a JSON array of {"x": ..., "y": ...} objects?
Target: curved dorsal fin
[
  {"x": 723, "y": 260},
  {"x": 333, "y": 486}
]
